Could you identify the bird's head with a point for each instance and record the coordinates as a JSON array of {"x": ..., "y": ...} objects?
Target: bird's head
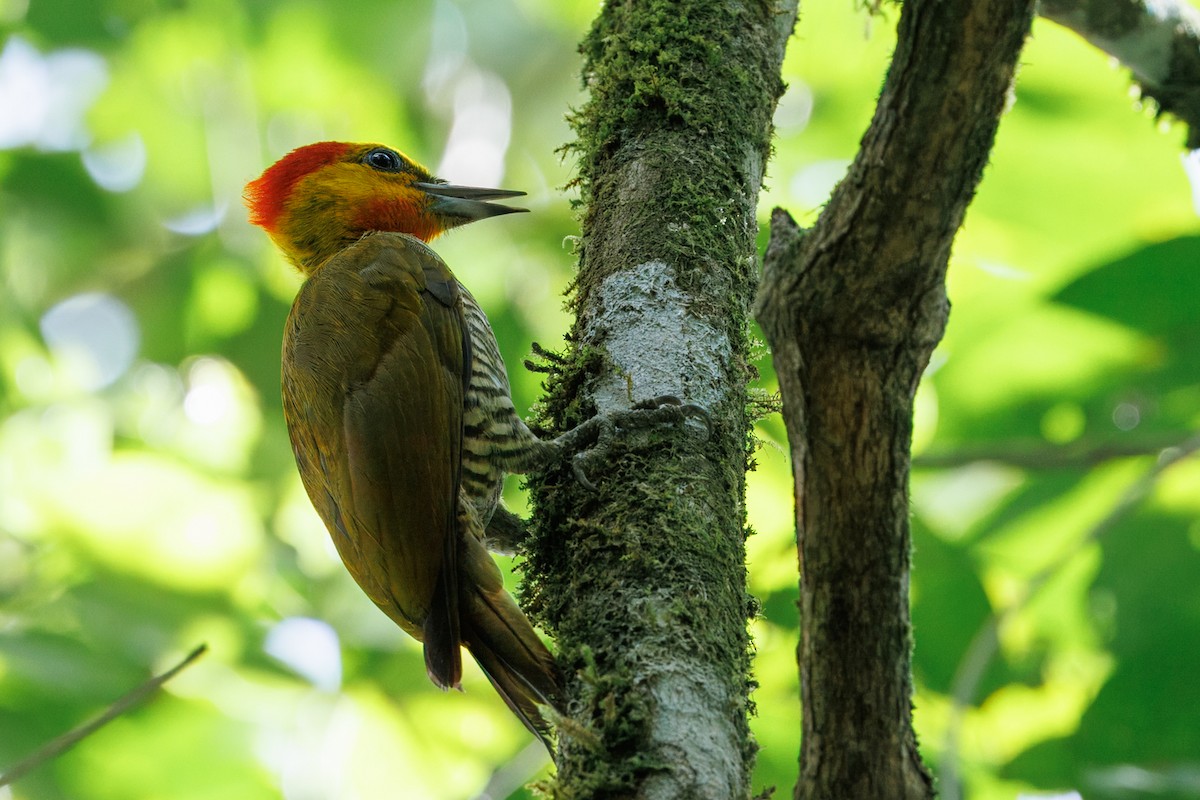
[{"x": 322, "y": 197}]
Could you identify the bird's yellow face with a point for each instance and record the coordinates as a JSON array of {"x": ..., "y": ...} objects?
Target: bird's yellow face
[{"x": 321, "y": 198}]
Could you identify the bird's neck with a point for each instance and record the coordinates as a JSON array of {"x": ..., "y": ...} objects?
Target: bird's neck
[{"x": 320, "y": 226}]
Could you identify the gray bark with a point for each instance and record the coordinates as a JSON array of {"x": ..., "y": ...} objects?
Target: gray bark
[{"x": 643, "y": 581}]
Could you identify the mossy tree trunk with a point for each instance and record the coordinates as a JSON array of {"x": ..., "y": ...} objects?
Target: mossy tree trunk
[{"x": 642, "y": 582}]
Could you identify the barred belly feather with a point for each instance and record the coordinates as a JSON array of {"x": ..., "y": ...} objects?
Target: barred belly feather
[{"x": 495, "y": 438}]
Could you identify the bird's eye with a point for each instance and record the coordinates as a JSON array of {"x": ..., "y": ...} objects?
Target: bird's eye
[{"x": 383, "y": 159}]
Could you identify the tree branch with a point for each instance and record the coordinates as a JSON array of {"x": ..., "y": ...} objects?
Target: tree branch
[
  {"x": 853, "y": 309},
  {"x": 1158, "y": 40},
  {"x": 1039, "y": 455},
  {"x": 56, "y": 747},
  {"x": 643, "y": 582}
]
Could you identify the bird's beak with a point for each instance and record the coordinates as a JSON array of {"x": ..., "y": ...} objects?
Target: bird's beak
[{"x": 463, "y": 204}]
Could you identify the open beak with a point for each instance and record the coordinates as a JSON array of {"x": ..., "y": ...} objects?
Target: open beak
[{"x": 464, "y": 204}]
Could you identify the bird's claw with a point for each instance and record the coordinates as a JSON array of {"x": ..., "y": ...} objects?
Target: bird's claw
[
  {"x": 670, "y": 408},
  {"x": 580, "y": 473},
  {"x": 644, "y": 414}
]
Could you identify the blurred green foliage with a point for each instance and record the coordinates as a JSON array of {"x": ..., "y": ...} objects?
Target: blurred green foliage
[{"x": 148, "y": 499}]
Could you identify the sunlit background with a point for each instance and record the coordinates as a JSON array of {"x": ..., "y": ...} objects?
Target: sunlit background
[{"x": 148, "y": 499}]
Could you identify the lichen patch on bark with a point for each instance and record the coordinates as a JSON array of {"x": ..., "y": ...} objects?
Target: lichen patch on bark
[{"x": 655, "y": 345}]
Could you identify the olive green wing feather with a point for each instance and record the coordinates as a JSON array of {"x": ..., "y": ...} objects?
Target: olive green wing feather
[{"x": 384, "y": 397}]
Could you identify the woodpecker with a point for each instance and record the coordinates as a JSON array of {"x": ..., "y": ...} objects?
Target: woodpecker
[{"x": 398, "y": 405}]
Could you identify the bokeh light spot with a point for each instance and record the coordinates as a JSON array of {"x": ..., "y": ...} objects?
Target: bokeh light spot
[
  {"x": 117, "y": 166},
  {"x": 310, "y": 648},
  {"x": 96, "y": 334},
  {"x": 45, "y": 97},
  {"x": 210, "y": 396},
  {"x": 480, "y": 134},
  {"x": 1126, "y": 416},
  {"x": 198, "y": 221}
]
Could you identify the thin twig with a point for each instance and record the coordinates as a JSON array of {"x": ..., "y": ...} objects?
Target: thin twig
[
  {"x": 986, "y": 641},
  {"x": 56, "y": 747},
  {"x": 1037, "y": 455}
]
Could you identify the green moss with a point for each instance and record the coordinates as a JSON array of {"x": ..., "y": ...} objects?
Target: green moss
[
  {"x": 563, "y": 405},
  {"x": 672, "y": 88},
  {"x": 705, "y": 613},
  {"x": 662, "y": 63}
]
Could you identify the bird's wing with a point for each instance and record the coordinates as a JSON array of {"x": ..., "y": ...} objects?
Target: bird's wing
[{"x": 382, "y": 352}]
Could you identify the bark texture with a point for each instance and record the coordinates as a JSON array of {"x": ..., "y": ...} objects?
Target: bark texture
[
  {"x": 643, "y": 581},
  {"x": 853, "y": 308},
  {"x": 1158, "y": 40}
]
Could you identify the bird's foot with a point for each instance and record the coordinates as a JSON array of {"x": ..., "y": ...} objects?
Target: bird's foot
[{"x": 600, "y": 432}]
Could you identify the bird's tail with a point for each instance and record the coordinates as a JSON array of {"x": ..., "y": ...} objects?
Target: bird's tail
[{"x": 503, "y": 641}]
